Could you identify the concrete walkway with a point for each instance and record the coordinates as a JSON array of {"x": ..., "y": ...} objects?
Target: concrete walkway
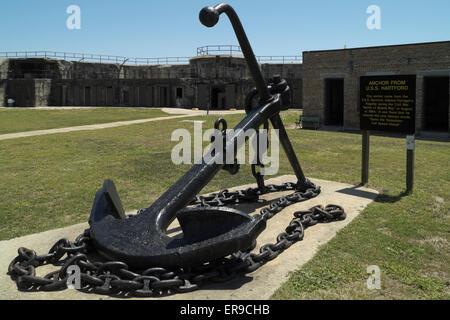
[
  {"x": 86, "y": 127},
  {"x": 201, "y": 112},
  {"x": 169, "y": 110},
  {"x": 51, "y": 108},
  {"x": 260, "y": 284},
  {"x": 176, "y": 113}
]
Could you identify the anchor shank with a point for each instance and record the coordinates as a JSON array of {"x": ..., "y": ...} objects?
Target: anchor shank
[
  {"x": 188, "y": 186},
  {"x": 209, "y": 17}
]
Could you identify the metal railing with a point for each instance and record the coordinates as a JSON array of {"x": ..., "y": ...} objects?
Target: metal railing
[
  {"x": 158, "y": 61},
  {"x": 102, "y": 58},
  {"x": 279, "y": 59},
  {"x": 236, "y": 50},
  {"x": 219, "y": 50}
]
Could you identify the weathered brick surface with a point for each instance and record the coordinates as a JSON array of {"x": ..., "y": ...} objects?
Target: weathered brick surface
[
  {"x": 97, "y": 84},
  {"x": 83, "y": 83},
  {"x": 419, "y": 59}
]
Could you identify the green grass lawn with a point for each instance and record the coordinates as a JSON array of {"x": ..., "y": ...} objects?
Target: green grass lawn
[
  {"x": 50, "y": 181},
  {"x": 19, "y": 120}
]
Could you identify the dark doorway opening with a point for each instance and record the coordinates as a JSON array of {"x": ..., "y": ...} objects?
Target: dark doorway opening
[
  {"x": 109, "y": 96},
  {"x": 151, "y": 95},
  {"x": 334, "y": 102},
  {"x": 179, "y": 93},
  {"x": 57, "y": 96},
  {"x": 143, "y": 101},
  {"x": 126, "y": 97},
  {"x": 218, "y": 99},
  {"x": 87, "y": 96},
  {"x": 436, "y": 103},
  {"x": 163, "y": 96},
  {"x": 179, "y": 97}
]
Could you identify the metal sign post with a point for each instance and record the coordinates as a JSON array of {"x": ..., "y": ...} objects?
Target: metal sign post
[
  {"x": 410, "y": 142},
  {"x": 365, "y": 157}
]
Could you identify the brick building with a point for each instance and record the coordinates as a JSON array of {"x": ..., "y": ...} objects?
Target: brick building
[{"x": 331, "y": 81}]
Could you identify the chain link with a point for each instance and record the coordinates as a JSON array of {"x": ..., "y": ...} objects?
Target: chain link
[{"x": 115, "y": 277}]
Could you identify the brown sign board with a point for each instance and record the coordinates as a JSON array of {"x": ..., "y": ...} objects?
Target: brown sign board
[{"x": 388, "y": 103}]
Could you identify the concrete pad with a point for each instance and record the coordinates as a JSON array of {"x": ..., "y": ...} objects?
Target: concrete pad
[
  {"x": 260, "y": 284},
  {"x": 193, "y": 121}
]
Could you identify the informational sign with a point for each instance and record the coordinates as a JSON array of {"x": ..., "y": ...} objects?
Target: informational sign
[{"x": 388, "y": 103}]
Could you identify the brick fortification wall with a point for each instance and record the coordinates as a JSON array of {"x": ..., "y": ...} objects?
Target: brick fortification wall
[{"x": 207, "y": 81}]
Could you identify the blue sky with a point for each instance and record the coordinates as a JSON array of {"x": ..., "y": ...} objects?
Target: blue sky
[{"x": 149, "y": 28}]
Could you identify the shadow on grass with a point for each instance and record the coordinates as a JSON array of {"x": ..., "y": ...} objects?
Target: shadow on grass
[
  {"x": 354, "y": 191},
  {"x": 382, "y": 198}
]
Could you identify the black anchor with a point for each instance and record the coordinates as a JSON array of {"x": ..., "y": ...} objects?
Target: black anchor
[{"x": 209, "y": 233}]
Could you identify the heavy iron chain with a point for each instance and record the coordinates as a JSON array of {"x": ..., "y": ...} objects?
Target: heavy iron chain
[{"x": 115, "y": 278}]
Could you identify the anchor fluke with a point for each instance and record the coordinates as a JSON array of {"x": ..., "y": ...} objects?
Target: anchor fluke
[
  {"x": 140, "y": 241},
  {"x": 107, "y": 203}
]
